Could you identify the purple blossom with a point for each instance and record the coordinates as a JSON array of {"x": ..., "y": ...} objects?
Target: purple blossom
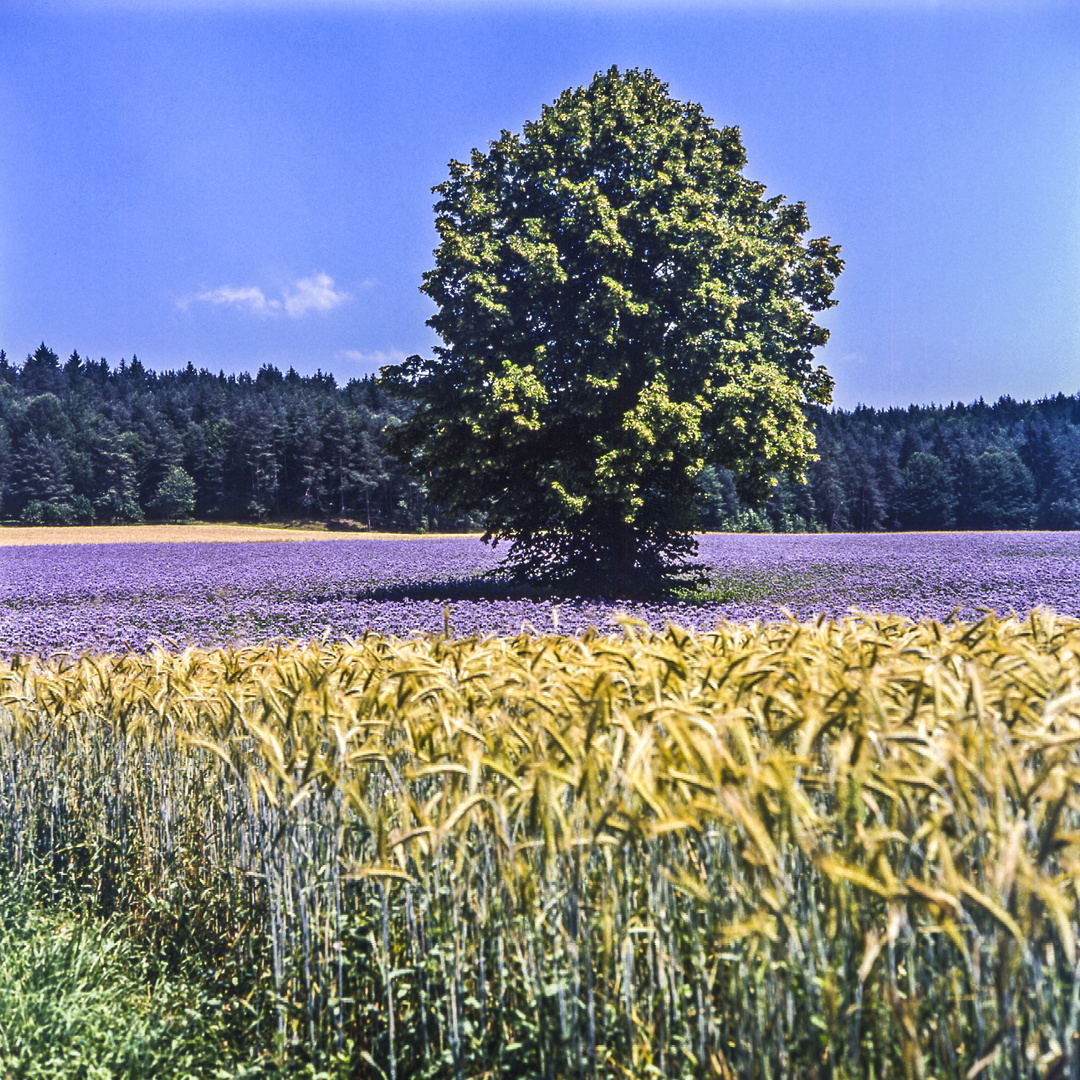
[{"x": 112, "y": 597}]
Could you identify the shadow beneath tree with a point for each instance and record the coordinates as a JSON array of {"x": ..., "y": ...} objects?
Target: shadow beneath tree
[{"x": 687, "y": 584}]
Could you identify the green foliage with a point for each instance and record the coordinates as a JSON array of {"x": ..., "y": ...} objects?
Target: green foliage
[
  {"x": 619, "y": 308},
  {"x": 76, "y": 512},
  {"x": 120, "y": 455},
  {"x": 998, "y": 491},
  {"x": 1060, "y": 514},
  {"x": 176, "y": 494},
  {"x": 79, "y": 999},
  {"x": 926, "y": 498},
  {"x": 88, "y": 442},
  {"x": 41, "y": 373},
  {"x": 747, "y": 586}
]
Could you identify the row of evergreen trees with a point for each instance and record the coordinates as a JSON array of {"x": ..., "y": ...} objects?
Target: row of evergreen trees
[
  {"x": 82, "y": 442},
  {"x": 1010, "y": 465}
]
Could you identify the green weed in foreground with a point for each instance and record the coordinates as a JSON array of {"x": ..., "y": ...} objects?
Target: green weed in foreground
[
  {"x": 82, "y": 997},
  {"x": 843, "y": 849},
  {"x": 745, "y": 587},
  {"x": 75, "y": 1002},
  {"x": 748, "y": 586}
]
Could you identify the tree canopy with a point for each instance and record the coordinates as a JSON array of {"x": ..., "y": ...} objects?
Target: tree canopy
[{"x": 619, "y": 308}]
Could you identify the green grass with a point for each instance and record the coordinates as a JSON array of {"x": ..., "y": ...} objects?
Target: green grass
[
  {"x": 81, "y": 998},
  {"x": 749, "y": 586}
]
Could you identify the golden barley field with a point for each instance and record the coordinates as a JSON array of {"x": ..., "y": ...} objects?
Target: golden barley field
[
  {"x": 26, "y": 536},
  {"x": 839, "y": 848}
]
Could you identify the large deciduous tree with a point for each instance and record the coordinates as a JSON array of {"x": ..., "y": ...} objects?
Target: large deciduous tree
[{"x": 619, "y": 307}]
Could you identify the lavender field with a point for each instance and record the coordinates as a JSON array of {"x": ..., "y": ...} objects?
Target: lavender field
[{"x": 113, "y": 597}]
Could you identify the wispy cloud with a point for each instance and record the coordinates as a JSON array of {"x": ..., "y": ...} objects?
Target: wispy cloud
[
  {"x": 371, "y": 361},
  {"x": 250, "y": 298},
  {"x": 315, "y": 293}
]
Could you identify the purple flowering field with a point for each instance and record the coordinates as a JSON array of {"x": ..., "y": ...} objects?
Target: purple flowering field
[{"x": 112, "y": 597}]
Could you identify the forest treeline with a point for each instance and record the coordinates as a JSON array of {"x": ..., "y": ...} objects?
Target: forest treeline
[{"x": 83, "y": 442}]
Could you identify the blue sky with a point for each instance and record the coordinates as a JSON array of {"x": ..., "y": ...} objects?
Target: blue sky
[{"x": 233, "y": 184}]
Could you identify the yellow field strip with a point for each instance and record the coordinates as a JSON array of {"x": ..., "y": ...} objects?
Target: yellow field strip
[{"x": 23, "y": 536}]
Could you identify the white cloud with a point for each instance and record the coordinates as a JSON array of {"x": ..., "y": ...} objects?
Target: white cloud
[
  {"x": 251, "y": 298},
  {"x": 315, "y": 293},
  {"x": 372, "y": 361}
]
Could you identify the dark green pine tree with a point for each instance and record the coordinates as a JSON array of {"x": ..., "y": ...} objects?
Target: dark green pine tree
[
  {"x": 41, "y": 373},
  {"x": 118, "y": 454},
  {"x": 999, "y": 492},
  {"x": 43, "y": 495},
  {"x": 926, "y": 500}
]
